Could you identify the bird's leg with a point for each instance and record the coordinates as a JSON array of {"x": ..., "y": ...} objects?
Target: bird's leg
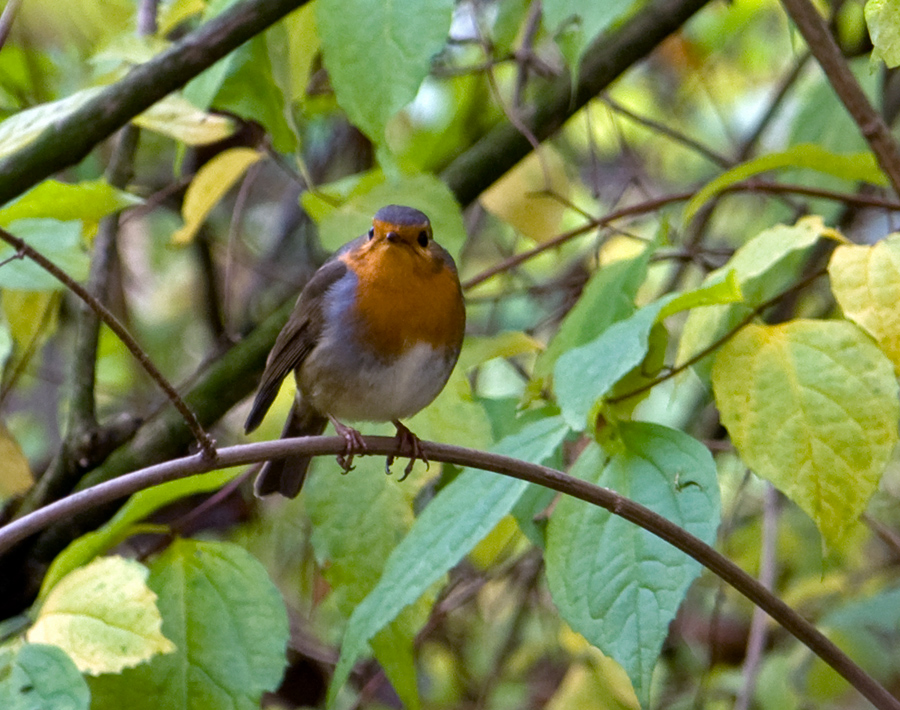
[
  {"x": 409, "y": 445},
  {"x": 354, "y": 444}
]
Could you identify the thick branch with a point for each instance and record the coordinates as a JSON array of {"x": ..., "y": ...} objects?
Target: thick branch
[
  {"x": 603, "y": 497},
  {"x": 72, "y": 138},
  {"x": 607, "y": 59},
  {"x": 826, "y": 51}
]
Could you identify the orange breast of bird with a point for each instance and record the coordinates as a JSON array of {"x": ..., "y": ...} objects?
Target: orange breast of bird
[{"x": 405, "y": 297}]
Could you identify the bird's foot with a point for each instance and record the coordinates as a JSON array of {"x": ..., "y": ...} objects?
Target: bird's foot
[
  {"x": 354, "y": 444},
  {"x": 410, "y": 445}
]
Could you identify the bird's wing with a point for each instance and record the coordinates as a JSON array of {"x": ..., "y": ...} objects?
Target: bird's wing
[{"x": 296, "y": 339}]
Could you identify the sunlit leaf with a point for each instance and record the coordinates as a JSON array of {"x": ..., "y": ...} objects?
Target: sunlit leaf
[
  {"x": 883, "y": 19},
  {"x": 210, "y": 185},
  {"x": 812, "y": 407},
  {"x": 763, "y": 267},
  {"x": 866, "y": 283},
  {"x": 229, "y": 626},
  {"x": 178, "y": 118},
  {"x": 378, "y": 53},
  {"x": 41, "y": 677},
  {"x": 104, "y": 616},
  {"x": 615, "y": 583},
  {"x": 89, "y": 201}
]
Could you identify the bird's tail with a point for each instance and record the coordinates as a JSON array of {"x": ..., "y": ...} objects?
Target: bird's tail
[{"x": 286, "y": 476}]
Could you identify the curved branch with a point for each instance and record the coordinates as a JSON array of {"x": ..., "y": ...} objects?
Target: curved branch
[
  {"x": 74, "y": 136},
  {"x": 616, "y": 504}
]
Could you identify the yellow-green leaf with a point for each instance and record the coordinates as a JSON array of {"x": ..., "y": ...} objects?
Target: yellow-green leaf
[
  {"x": 812, "y": 407},
  {"x": 104, "y": 616},
  {"x": 15, "y": 473},
  {"x": 851, "y": 166},
  {"x": 883, "y": 19},
  {"x": 209, "y": 186},
  {"x": 866, "y": 283},
  {"x": 178, "y": 118}
]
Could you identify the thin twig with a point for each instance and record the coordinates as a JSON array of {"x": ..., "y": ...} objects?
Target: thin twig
[
  {"x": 516, "y": 259},
  {"x": 826, "y": 51},
  {"x": 671, "y": 133},
  {"x": 616, "y": 504},
  {"x": 205, "y": 440}
]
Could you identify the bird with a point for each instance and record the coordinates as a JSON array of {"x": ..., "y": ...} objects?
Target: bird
[{"x": 374, "y": 336}]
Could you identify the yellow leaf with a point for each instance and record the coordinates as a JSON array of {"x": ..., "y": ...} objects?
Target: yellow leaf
[
  {"x": 209, "y": 186},
  {"x": 866, "y": 283},
  {"x": 519, "y": 197},
  {"x": 178, "y": 118},
  {"x": 811, "y": 406},
  {"x": 104, "y": 616},
  {"x": 32, "y": 315},
  {"x": 15, "y": 474}
]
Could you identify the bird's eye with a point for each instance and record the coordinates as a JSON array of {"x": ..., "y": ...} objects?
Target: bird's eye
[
  {"x": 423, "y": 239},
  {"x": 371, "y": 232}
]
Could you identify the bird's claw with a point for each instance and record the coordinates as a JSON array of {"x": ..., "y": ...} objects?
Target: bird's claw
[
  {"x": 354, "y": 444},
  {"x": 410, "y": 445}
]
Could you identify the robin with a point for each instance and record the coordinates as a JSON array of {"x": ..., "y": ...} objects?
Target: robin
[{"x": 374, "y": 336}]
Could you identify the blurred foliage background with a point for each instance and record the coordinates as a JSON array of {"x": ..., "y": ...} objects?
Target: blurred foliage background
[{"x": 236, "y": 189}]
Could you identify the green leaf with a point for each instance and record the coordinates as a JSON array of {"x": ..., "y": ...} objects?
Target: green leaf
[
  {"x": 866, "y": 283},
  {"x": 228, "y": 623},
  {"x": 576, "y": 24},
  {"x": 23, "y": 128},
  {"x": 852, "y": 166},
  {"x": 614, "y": 582},
  {"x": 424, "y": 191},
  {"x": 248, "y": 89},
  {"x": 449, "y": 527},
  {"x": 763, "y": 267},
  {"x": 119, "y": 527},
  {"x": 89, "y": 201},
  {"x": 357, "y": 520},
  {"x": 41, "y": 677},
  {"x": 585, "y": 374},
  {"x": 883, "y": 19},
  {"x": 812, "y": 407},
  {"x": 378, "y": 53},
  {"x": 104, "y": 616},
  {"x": 607, "y": 297},
  {"x": 58, "y": 241}
]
